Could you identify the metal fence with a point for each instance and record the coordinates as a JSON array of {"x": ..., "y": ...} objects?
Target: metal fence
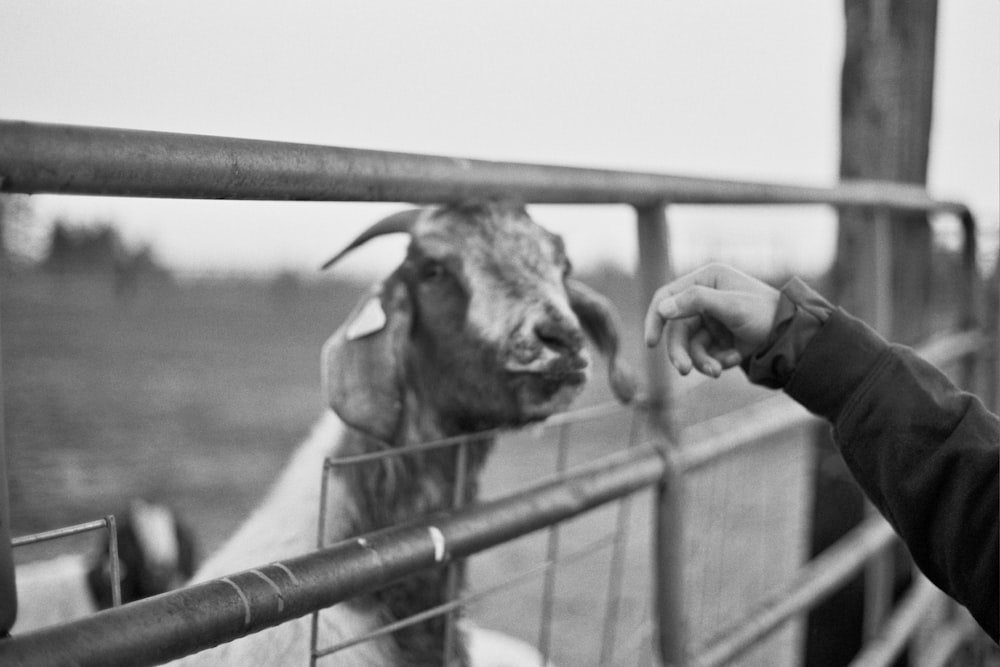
[{"x": 39, "y": 158}]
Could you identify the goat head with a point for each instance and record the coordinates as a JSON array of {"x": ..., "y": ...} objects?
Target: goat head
[{"x": 479, "y": 327}]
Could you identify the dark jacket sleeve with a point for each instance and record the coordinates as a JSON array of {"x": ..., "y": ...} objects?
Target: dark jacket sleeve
[{"x": 925, "y": 453}]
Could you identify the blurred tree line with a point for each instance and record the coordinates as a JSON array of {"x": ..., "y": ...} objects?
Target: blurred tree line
[{"x": 92, "y": 250}]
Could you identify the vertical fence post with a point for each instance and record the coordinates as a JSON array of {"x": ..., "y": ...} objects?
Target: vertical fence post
[
  {"x": 654, "y": 269},
  {"x": 880, "y": 571},
  {"x": 8, "y": 588}
]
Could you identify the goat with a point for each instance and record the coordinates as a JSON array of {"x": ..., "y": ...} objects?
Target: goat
[
  {"x": 156, "y": 553},
  {"x": 479, "y": 328}
]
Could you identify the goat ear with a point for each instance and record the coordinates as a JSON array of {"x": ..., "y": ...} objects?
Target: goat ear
[
  {"x": 602, "y": 323},
  {"x": 362, "y": 362}
]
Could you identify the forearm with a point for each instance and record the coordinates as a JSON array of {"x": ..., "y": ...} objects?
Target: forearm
[{"x": 925, "y": 453}]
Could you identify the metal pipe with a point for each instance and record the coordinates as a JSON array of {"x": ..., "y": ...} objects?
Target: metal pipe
[
  {"x": 880, "y": 570},
  {"x": 185, "y": 621},
  {"x": 58, "y": 533},
  {"x": 8, "y": 585},
  {"x": 46, "y": 158},
  {"x": 948, "y": 639},
  {"x": 551, "y": 556},
  {"x": 451, "y": 586},
  {"x": 668, "y": 558},
  {"x": 469, "y": 599},
  {"x": 116, "y": 564},
  {"x": 883, "y": 648},
  {"x": 970, "y": 302},
  {"x": 616, "y": 573},
  {"x": 820, "y": 577}
]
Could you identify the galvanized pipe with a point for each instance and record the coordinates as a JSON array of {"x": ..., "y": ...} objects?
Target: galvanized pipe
[
  {"x": 45, "y": 158},
  {"x": 59, "y": 533},
  {"x": 948, "y": 639},
  {"x": 882, "y": 649},
  {"x": 820, "y": 577},
  {"x": 185, "y": 621},
  {"x": 668, "y": 510},
  {"x": 881, "y": 569},
  {"x": 8, "y": 585}
]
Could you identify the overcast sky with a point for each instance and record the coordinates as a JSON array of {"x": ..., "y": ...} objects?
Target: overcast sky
[{"x": 722, "y": 89}]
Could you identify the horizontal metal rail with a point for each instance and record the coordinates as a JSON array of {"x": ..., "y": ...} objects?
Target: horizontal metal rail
[
  {"x": 479, "y": 438},
  {"x": 949, "y": 638},
  {"x": 820, "y": 577},
  {"x": 107, "y": 523},
  {"x": 45, "y": 158},
  {"x": 470, "y": 598},
  {"x": 59, "y": 533},
  {"x": 900, "y": 626},
  {"x": 191, "y": 619}
]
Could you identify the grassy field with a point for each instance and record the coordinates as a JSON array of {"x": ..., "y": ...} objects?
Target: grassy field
[{"x": 195, "y": 394}]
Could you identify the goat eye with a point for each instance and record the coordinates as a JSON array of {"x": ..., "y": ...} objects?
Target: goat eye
[{"x": 432, "y": 271}]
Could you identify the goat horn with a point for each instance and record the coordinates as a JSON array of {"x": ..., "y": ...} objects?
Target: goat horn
[{"x": 396, "y": 223}]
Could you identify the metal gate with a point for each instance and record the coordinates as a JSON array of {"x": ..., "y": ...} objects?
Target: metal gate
[{"x": 40, "y": 158}]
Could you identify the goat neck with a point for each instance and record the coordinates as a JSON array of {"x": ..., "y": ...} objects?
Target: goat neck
[
  {"x": 401, "y": 488},
  {"x": 408, "y": 485}
]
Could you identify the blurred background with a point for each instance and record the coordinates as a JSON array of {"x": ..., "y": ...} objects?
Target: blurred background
[
  {"x": 748, "y": 90},
  {"x": 169, "y": 349}
]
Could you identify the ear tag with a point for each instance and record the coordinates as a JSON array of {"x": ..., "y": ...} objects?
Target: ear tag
[{"x": 370, "y": 319}]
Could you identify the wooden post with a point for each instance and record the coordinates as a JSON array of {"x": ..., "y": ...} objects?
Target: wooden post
[
  {"x": 887, "y": 91},
  {"x": 881, "y": 272},
  {"x": 654, "y": 269}
]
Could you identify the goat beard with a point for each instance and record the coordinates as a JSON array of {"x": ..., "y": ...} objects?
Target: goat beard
[{"x": 540, "y": 395}]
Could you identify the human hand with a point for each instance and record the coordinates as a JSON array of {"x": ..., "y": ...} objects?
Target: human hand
[{"x": 714, "y": 318}]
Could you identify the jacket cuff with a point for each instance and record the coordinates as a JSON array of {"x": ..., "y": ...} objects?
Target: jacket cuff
[
  {"x": 800, "y": 315},
  {"x": 842, "y": 354}
]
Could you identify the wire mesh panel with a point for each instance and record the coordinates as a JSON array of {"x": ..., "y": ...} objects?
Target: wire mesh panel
[
  {"x": 748, "y": 518},
  {"x": 576, "y": 590},
  {"x": 107, "y": 523},
  {"x": 579, "y": 590}
]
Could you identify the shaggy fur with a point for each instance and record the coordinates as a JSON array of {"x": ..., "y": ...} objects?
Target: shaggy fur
[{"x": 480, "y": 331}]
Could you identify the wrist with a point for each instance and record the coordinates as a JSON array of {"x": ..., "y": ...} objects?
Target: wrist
[{"x": 800, "y": 314}]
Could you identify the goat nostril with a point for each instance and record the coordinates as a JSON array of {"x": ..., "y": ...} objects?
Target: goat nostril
[{"x": 559, "y": 337}]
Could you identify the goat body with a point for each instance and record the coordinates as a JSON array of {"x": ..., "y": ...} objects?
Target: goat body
[{"x": 479, "y": 328}]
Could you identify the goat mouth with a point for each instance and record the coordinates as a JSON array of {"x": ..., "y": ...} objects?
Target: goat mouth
[{"x": 554, "y": 379}]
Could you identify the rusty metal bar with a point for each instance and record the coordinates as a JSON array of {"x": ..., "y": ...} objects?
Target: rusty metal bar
[
  {"x": 188, "y": 620},
  {"x": 883, "y": 648},
  {"x": 820, "y": 577},
  {"x": 46, "y": 158}
]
